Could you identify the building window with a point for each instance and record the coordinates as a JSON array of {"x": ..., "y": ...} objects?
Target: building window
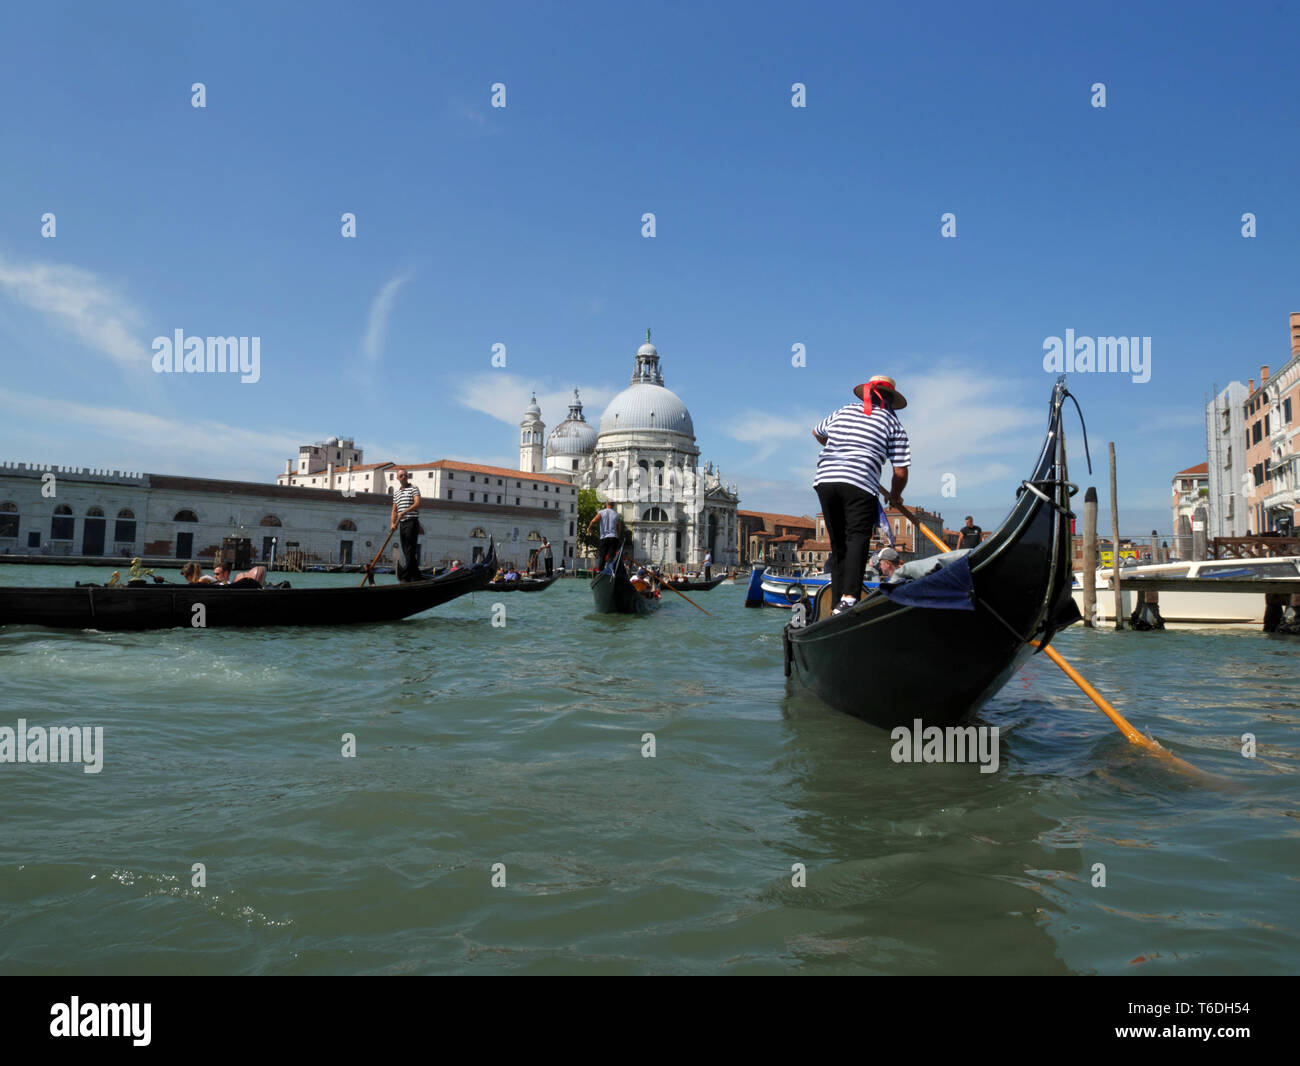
[
  {"x": 62, "y": 523},
  {"x": 516, "y": 501},
  {"x": 478, "y": 533},
  {"x": 450, "y": 494},
  {"x": 534, "y": 535},
  {"x": 471, "y": 477},
  {"x": 1286, "y": 410},
  {"x": 124, "y": 527},
  {"x": 471, "y": 497},
  {"x": 498, "y": 481},
  {"x": 8, "y": 519},
  {"x": 348, "y": 526},
  {"x": 518, "y": 485},
  {"x": 451, "y": 476}
]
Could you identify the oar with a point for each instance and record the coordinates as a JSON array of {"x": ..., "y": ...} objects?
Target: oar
[
  {"x": 667, "y": 585},
  {"x": 370, "y": 570},
  {"x": 1120, "y": 722}
]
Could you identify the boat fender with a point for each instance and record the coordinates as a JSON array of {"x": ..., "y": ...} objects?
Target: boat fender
[{"x": 785, "y": 647}]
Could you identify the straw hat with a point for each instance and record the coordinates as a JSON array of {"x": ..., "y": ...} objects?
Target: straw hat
[{"x": 884, "y": 384}]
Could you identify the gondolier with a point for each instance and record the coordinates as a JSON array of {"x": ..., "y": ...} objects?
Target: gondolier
[
  {"x": 856, "y": 440},
  {"x": 971, "y": 534},
  {"x": 611, "y": 533},
  {"x": 405, "y": 519},
  {"x": 547, "y": 557}
]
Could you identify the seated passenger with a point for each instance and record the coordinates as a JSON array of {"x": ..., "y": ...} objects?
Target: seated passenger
[
  {"x": 512, "y": 575},
  {"x": 887, "y": 562},
  {"x": 249, "y": 579},
  {"x": 193, "y": 573}
]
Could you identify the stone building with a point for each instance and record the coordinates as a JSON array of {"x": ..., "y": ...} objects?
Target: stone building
[{"x": 644, "y": 458}]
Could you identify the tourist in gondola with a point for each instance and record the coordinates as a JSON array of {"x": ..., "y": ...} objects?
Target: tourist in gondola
[
  {"x": 887, "y": 562},
  {"x": 856, "y": 440},
  {"x": 405, "y": 519},
  {"x": 611, "y": 533}
]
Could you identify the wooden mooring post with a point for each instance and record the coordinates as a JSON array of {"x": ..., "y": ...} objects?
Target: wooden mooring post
[
  {"x": 1114, "y": 554},
  {"x": 1090, "y": 557}
]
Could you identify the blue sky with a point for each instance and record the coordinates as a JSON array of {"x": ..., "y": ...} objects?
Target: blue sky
[{"x": 522, "y": 225}]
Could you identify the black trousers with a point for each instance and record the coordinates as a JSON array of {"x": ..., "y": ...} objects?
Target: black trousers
[
  {"x": 850, "y": 514},
  {"x": 550, "y": 566},
  {"x": 409, "y": 532},
  {"x": 608, "y": 549},
  {"x": 708, "y": 572}
]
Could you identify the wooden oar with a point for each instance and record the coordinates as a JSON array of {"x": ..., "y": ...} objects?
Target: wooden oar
[
  {"x": 370, "y": 570},
  {"x": 1121, "y": 723},
  {"x": 667, "y": 585}
]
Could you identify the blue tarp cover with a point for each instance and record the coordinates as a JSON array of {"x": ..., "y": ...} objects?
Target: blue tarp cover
[{"x": 949, "y": 588}]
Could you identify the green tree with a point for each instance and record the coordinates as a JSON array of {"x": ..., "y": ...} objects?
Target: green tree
[{"x": 588, "y": 505}]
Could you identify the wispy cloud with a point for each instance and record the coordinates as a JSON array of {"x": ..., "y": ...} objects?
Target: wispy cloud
[
  {"x": 372, "y": 345},
  {"x": 771, "y": 433},
  {"x": 504, "y": 396},
  {"x": 79, "y": 302}
]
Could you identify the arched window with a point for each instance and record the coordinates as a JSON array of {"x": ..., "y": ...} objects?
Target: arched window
[
  {"x": 659, "y": 472},
  {"x": 534, "y": 535},
  {"x": 8, "y": 506},
  {"x": 95, "y": 512},
  {"x": 124, "y": 527},
  {"x": 478, "y": 533},
  {"x": 185, "y": 516},
  {"x": 643, "y": 465},
  {"x": 348, "y": 526},
  {"x": 61, "y": 524},
  {"x": 270, "y": 520},
  {"x": 126, "y": 512},
  {"x": 654, "y": 514}
]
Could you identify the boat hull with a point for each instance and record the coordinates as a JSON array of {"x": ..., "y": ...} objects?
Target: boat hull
[
  {"x": 617, "y": 595},
  {"x": 891, "y": 664},
  {"x": 172, "y": 606}
]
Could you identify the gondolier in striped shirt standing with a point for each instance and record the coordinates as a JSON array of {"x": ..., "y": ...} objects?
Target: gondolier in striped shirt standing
[
  {"x": 405, "y": 519},
  {"x": 856, "y": 440}
]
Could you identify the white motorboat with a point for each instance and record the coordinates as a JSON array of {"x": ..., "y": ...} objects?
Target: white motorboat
[{"x": 1193, "y": 608}]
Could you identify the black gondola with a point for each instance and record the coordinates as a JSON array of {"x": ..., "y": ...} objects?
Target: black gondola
[
  {"x": 169, "y": 606},
  {"x": 524, "y": 584},
  {"x": 614, "y": 592},
  {"x": 693, "y": 586},
  {"x": 889, "y": 663}
]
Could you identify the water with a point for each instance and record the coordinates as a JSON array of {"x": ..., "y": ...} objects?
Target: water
[{"x": 522, "y": 745}]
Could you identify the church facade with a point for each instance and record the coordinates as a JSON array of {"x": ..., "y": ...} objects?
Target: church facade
[{"x": 643, "y": 457}]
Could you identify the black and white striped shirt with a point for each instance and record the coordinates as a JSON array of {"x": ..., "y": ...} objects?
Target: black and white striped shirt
[
  {"x": 403, "y": 498},
  {"x": 858, "y": 444}
]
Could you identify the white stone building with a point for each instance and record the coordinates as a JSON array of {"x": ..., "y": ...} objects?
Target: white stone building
[
  {"x": 1225, "y": 446},
  {"x": 644, "y": 458}
]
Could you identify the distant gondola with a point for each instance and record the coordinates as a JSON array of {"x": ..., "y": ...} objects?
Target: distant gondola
[
  {"x": 614, "y": 592},
  {"x": 693, "y": 586},
  {"x": 523, "y": 584},
  {"x": 889, "y": 662},
  {"x": 168, "y": 606}
]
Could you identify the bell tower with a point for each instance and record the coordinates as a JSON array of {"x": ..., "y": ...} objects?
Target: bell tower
[{"x": 532, "y": 438}]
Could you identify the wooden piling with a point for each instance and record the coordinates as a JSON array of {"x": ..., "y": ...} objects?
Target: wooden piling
[
  {"x": 1090, "y": 557},
  {"x": 1114, "y": 555}
]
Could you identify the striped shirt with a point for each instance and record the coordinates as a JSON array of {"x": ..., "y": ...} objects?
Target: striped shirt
[
  {"x": 403, "y": 498},
  {"x": 858, "y": 444}
]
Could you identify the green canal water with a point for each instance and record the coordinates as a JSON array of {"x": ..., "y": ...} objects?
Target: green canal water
[{"x": 522, "y": 746}]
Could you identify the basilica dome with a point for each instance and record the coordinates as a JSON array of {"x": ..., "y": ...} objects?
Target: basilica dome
[
  {"x": 575, "y": 436},
  {"x": 645, "y": 405}
]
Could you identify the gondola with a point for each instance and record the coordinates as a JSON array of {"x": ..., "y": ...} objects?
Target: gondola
[
  {"x": 614, "y": 593},
  {"x": 693, "y": 586},
  {"x": 524, "y": 584},
  {"x": 890, "y": 661},
  {"x": 168, "y": 606}
]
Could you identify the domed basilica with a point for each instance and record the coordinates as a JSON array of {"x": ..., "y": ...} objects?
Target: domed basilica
[{"x": 643, "y": 458}]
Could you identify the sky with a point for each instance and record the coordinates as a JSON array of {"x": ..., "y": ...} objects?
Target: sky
[{"x": 523, "y": 225}]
